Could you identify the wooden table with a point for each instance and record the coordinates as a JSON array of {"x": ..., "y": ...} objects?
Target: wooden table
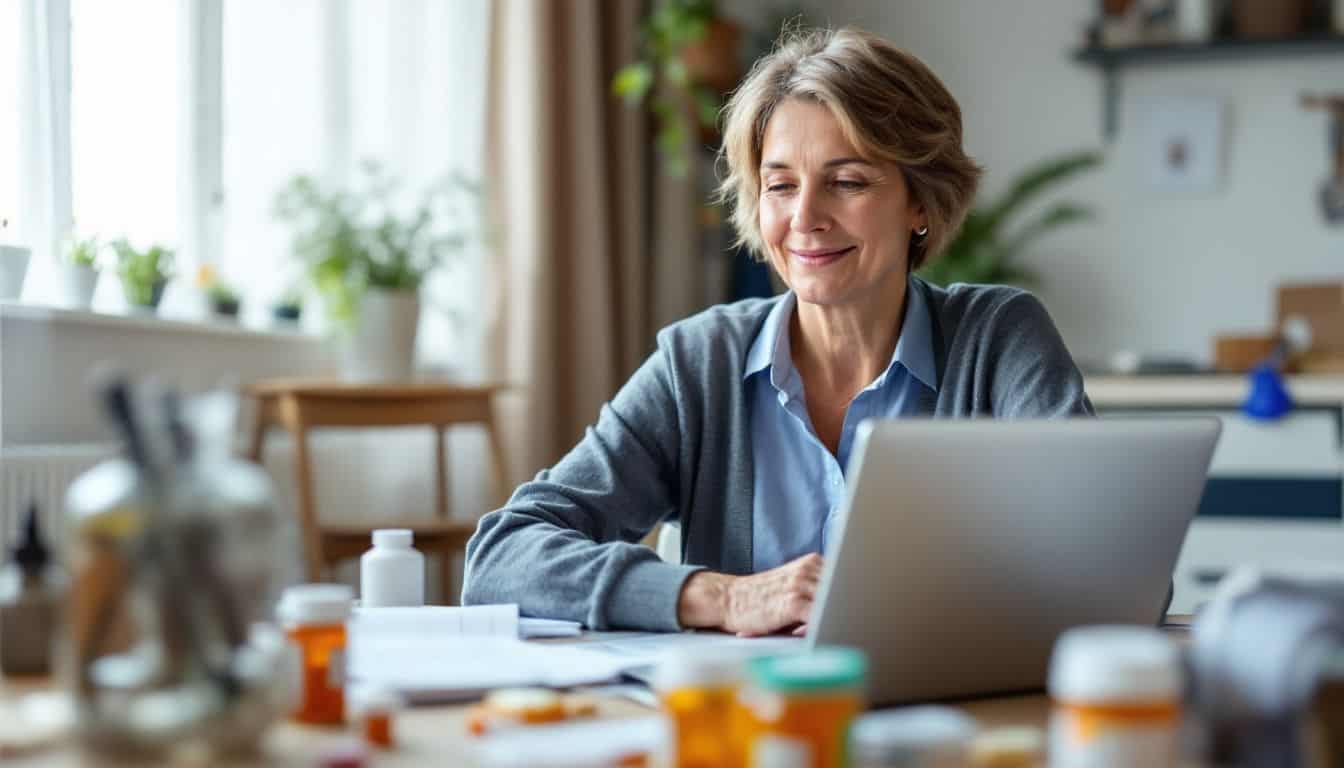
[
  {"x": 301, "y": 405},
  {"x": 437, "y": 736}
]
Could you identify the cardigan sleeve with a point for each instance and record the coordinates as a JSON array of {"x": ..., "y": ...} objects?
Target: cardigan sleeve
[
  {"x": 565, "y": 545},
  {"x": 1034, "y": 377}
]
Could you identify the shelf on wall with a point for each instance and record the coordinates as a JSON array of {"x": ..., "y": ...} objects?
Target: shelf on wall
[{"x": 1112, "y": 60}]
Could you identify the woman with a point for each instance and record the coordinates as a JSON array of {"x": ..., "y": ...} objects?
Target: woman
[{"x": 846, "y": 171}]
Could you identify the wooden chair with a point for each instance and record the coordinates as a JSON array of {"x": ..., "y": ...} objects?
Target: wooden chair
[{"x": 301, "y": 406}]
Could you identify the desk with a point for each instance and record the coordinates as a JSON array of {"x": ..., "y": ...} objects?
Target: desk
[
  {"x": 434, "y": 736},
  {"x": 303, "y": 405}
]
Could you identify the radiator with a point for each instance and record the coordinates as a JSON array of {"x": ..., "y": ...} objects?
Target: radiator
[{"x": 42, "y": 474}]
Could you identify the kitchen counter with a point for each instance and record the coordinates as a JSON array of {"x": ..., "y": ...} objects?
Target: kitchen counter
[{"x": 1205, "y": 391}]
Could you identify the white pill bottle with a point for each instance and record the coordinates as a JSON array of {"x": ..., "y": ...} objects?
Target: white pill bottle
[{"x": 392, "y": 573}]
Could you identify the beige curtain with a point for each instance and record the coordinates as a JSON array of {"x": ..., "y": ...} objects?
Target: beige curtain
[{"x": 585, "y": 225}]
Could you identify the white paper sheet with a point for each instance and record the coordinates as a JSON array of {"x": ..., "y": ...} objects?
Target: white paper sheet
[
  {"x": 442, "y": 669},
  {"x": 439, "y": 620},
  {"x": 650, "y": 647}
]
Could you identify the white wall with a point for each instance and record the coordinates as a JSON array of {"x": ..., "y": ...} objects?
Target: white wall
[{"x": 1154, "y": 274}]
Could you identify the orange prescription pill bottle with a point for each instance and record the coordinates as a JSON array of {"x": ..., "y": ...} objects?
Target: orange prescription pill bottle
[
  {"x": 374, "y": 710},
  {"x": 797, "y": 709},
  {"x": 699, "y": 697},
  {"x": 313, "y": 617},
  {"x": 1116, "y": 695}
]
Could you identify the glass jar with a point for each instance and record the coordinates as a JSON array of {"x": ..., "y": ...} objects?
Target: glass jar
[
  {"x": 177, "y": 553},
  {"x": 797, "y": 709}
]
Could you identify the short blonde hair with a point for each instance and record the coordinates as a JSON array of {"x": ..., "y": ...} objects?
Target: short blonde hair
[{"x": 890, "y": 106}]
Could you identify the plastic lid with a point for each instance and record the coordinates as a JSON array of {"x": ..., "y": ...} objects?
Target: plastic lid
[
  {"x": 821, "y": 669},
  {"x": 1115, "y": 664},
  {"x": 688, "y": 669},
  {"x": 315, "y": 604},
  {"x": 31, "y": 554},
  {"x": 912, "y": 731},
  {"x": 522, "y": 700},
  {"x": 393, "y": 537}
]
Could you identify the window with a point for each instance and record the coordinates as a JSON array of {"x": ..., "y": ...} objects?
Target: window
[
  {"x": 273, "y": 128},
  {"x": 10, "y": 64},
  {"x": 180, "y": 121},
  {"x": 124, "y": 113}
]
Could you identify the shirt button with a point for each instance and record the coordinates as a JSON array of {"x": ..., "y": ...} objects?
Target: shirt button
[{"x": 783, "y": 398}]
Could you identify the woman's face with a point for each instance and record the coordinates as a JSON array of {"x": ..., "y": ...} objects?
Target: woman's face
[{"x": 836, "y": 227}]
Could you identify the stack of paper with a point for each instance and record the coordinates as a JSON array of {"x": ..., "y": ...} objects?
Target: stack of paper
[
  {"x": 442, "y": 653},
  {"x": 436, "y": 653},
  {"x": 487, "y": 620}
]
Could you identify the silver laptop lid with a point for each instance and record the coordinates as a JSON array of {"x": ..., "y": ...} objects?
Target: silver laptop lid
[{"x": 968, "y": 546}]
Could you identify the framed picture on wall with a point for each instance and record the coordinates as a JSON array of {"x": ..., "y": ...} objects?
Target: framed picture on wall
[{"x": 1181, "y": 144}]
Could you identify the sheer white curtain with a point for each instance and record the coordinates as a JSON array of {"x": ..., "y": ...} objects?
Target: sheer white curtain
[
  {"x": 12, "y": 53},
  {"x": 43, "y": 209},
  {"x": 417, "y": 75},
  {"x": 317, "y": 87}
]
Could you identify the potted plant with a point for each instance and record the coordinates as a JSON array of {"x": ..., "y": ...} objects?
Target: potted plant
[
  {"x": 985, "y": 251},
  {"x": 688, "y": 60},
  {"x": 288, "y": 308},
  {"x": 79, "y": 272},
  {"x": 144, "y": 273},
  {"x": 367, "y": 260},
  {"x": 223, "y": 300}
]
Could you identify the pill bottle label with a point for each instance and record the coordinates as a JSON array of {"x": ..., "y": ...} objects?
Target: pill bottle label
[
  {"x": 774, "y": 751},
  {"x": 1086, "y": 739}
]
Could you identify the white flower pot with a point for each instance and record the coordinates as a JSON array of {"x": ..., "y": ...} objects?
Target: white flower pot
[
  {"x": 78, "y": 283},
  {"x": 13, "y": 267},
  {"x": 381, "y": 346}
]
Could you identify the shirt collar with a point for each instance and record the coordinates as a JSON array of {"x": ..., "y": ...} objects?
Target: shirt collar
[
  {"x": 914, "y": 349},
  {"x": 771, "y": 347}
]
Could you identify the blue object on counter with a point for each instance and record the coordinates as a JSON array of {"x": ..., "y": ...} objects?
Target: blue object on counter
[{"x": 1269, "y": 398}]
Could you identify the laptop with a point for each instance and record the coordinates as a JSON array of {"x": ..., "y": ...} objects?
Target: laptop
[{"x": 967, "y": 547}]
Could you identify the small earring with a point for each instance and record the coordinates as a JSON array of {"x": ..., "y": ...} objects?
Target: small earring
[{"x": 922, "y": 231}]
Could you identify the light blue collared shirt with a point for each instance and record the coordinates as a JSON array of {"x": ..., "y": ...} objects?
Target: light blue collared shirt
[{"x": 799, "y": 486}]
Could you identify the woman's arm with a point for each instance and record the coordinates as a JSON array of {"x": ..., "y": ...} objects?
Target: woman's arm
[{"x": 564, "y": 545}]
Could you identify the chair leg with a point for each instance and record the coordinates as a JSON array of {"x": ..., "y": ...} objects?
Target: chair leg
[{"x": 447, "y": 584}]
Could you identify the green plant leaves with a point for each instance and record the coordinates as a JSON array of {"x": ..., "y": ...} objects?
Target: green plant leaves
[
  {"x": 351, "y": 241},
  {"x": 632, "y": 83},
  {"x": 664, "y": 35},
  {"x": 84, "y": 252},
  {"x": 984, "y": 251},
  {"x": 141, "y": 271}
]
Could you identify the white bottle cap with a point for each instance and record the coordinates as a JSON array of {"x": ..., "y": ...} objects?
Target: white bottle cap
[
  {"x": 925, "y": 731},
  {"x": 315, "y": 604},
  {"x": 691, "y": 669},
  {"x": 400, "y": 538},
  {"x": 1115, "y": 664}
]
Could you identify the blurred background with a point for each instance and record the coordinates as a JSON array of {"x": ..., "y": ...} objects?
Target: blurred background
[{"x": 1168, "y": 175}]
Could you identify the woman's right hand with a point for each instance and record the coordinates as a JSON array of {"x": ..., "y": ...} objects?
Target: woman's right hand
[{"x": 759, "y": 604}]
